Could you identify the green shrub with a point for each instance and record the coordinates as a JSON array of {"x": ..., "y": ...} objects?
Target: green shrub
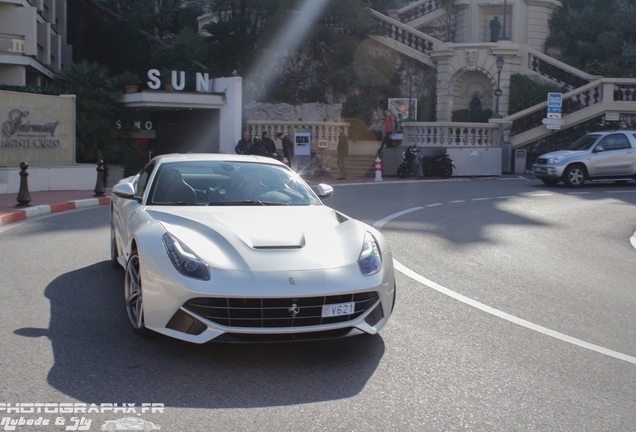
[{"x": 525, "y": 92}]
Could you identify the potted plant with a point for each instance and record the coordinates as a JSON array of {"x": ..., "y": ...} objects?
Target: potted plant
[
  {"x": 166, "y": 77},
  {"x": 130, "y": 81}
]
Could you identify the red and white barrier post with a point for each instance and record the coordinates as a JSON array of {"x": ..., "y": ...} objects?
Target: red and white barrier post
[{"x": 378, "y": 169}]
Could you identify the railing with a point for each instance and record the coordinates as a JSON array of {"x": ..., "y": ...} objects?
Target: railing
[
  {"x": 625, "y": 92},
  {"x": 419, "y": 10},
  {"x": 449, "y": 134},
  {"x": 558, "y": 71},
  {"x": 573, "y": 101},
  {"x": 406, "y": 35},
  {"x": 12, "y": 44},
  {"x": 318, "y": 129}
]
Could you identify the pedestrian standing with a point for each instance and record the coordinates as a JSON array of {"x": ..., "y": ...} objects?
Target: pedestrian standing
[
  {"x": 244, "y": 146},
  {"x": 389, "y": 127},
  {"x": 288, "y": 146},
  {"x": 270, "y": 147},
  {"x": 343, "y": 152}
]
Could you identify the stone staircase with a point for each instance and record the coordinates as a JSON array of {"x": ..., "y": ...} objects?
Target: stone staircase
[{"x": 589, "y": 96}]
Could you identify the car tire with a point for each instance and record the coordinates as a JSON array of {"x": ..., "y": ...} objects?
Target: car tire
[
  {"x": 550, "y": 182},
  {"x": 113, "y": 248},
  {"x": 447, "y": 172},
  {"x": 574, "y": 176},
  {"x": 133, "y": 295},
  {"x": 403, "y": 172}
]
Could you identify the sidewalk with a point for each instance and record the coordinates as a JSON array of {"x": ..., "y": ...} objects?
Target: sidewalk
[{"x": 43, "y": 203}]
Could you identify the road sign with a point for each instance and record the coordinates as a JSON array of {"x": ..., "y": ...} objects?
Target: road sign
[
  {"x": 554, "y": 115},
  {"x": 553, "y": 121},
  {"x": 322, "y": 143},
  {"x": 498, "y": 92},
  {"x": 555, "y": 100},
  {"x": 554, "y": 110},
  {"x": 553, "y": 127},
  {"x": 612, "y": 116}
]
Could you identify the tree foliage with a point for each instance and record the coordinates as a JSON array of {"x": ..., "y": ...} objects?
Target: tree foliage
[
  {"x": 597, "y": 36},
  {"x": 97, "y": 113}
]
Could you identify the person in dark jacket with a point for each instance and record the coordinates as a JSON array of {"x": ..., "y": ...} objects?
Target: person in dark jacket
[
  {"x": 244, "y": 146},
  {"x": 270, "y": 146},
  {"x": 288, "y": 146},
  {"x": 343, "y": 152},
  {"x": 257, "y": 147}
]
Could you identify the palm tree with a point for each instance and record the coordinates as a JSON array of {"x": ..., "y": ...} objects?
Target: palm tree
[{"x": 97, "y": 112}]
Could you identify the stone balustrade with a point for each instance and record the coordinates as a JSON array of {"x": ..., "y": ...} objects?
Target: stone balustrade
[
  {"x": 557, "y": 71},
  {"x": 318, "y": 129},
  {"x": 415, "y": 11},
  {"x": 406, "y": 35},
  {"x": 451, "y": 134}
]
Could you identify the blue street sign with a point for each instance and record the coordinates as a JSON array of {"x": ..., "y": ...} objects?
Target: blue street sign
[
  {"x": 554, "y": 110},
  {"x": 555, "y": 100}
]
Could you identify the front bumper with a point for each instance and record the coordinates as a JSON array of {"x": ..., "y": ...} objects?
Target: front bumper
[
  {"x": 221, "y": 309},
  {"x": 547, "y": 171}
]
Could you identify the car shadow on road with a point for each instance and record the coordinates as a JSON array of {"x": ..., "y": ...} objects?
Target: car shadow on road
[{"x": 98, "y": 358}]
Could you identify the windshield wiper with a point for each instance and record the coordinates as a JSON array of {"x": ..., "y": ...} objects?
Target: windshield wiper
[
  {"x": 246, "y": 203},
  {"x": 179, "y": 203}
]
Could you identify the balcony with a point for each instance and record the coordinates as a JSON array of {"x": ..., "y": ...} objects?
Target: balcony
[{"x": 12, "y": 44}]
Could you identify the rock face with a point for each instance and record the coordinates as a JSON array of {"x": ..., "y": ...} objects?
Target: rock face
[{"x": 283, "y": 111}]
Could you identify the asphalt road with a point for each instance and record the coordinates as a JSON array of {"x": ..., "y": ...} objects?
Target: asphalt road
[{"x": 515, "y": 311}]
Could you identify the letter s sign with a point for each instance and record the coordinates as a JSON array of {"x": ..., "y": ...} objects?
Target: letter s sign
[{"x": 153, "y": 76}]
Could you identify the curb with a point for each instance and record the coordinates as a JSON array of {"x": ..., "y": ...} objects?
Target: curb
[{"x": 45, "y": 209}]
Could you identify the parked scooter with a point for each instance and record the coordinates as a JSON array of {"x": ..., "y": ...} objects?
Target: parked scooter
[
  {"x": 437, "y": 166},
  {"x": 431, "y": 166},
  {"x": 410, "y": 161}
]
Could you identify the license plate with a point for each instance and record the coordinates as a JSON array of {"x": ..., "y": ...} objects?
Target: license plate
[{"x": 338, "y": 309}]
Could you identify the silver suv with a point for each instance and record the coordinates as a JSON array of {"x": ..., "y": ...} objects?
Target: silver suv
[{"x": 595, "y": 156}]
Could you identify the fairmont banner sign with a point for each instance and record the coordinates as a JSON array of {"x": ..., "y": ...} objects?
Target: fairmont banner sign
[
  {"x": 37, "y": 129},
  {"x": 20, "y": 132}
]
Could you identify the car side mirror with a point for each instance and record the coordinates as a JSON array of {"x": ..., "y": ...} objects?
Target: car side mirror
[
  {"x": 598, "y": 149},
  {"x": 124, "y": 190},
  {"x": 324, "y": 191}
]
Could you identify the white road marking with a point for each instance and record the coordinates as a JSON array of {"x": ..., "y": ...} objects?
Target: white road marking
[
  {"x": 578, "y": 193},
  {"x": 434, "y": 205},
  {"x": 496, "y": 312},
  {"x": 480, "y": 199},
  {"x": 457, "y": 201},
  {"x": 621, "y": 191}
]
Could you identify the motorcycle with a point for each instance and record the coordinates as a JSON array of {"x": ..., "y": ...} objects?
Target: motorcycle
[
  {"x": 432, "y": 166},
  {"x": 409, "y": 163},
  {"x": 441, "y": 166}
]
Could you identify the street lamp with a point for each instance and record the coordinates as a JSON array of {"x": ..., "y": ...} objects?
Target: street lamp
[
  {"x": 410, "y": 69},
  {"x": 498, "y": 92}
]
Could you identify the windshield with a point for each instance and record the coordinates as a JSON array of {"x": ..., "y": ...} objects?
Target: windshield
[
  {"x": 213, "y": 183},
  {"x": 584, "y": 143}
]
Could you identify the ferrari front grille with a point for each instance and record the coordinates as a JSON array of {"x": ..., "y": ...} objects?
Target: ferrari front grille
[{"x": 277, "y": 312}]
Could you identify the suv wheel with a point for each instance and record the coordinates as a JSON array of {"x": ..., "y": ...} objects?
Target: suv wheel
[{"x": 574, "y": 176}]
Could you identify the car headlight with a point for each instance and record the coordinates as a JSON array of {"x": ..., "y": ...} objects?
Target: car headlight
[
  {"x": 184, "y": 260},
  {"x": 370, "y": 260},
  {"x": 554, "y": 161}
]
